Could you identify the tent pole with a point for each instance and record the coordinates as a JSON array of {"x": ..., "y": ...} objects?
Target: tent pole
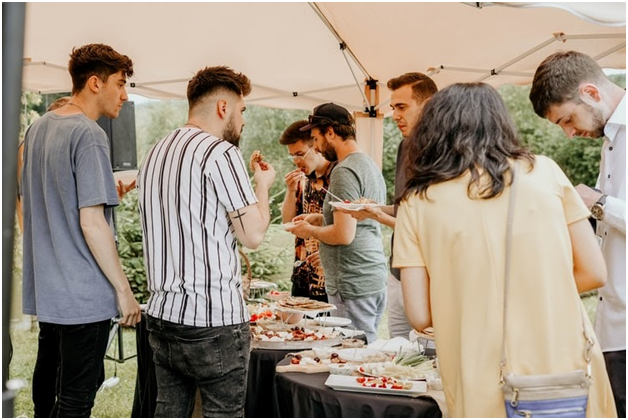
[{"x": 13, "y": 18}]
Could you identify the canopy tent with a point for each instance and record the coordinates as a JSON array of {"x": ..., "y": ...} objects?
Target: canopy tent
[
  {"x": 299, "y": 55},
  {"x": 292, "y": 52}
]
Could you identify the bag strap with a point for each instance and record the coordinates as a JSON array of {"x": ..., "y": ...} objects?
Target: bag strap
[{"x": 509, "y": 221}]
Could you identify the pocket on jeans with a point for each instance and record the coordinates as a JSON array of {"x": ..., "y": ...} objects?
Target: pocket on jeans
[{"x": 201, "y": 356}]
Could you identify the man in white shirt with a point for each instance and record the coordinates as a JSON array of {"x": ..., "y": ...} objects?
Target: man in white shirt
[
  {"x": 196, "y": 201},
  {"x": 570, "y": 90}
]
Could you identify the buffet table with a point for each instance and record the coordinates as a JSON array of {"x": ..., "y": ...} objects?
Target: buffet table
[
  {"x": 306, "y": 395},
  {"x": 260, "y": 384}
]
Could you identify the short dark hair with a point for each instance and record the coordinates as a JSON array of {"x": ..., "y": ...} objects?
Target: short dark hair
[
  {"x": 559, "y": 77},
  {"x": 342, "y": 130},
  {"x": 464, "y": 127},
  {"x": 293, "y": 134},
  {"x": 423, "y": 87},
  {"x": 96, "y": 60},
  {"x": 210, "y": 80}
]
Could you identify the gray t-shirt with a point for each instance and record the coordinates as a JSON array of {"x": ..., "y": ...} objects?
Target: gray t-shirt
[
  {"x": 67, "y": 167},
  {"x": 359, "y": 269}
]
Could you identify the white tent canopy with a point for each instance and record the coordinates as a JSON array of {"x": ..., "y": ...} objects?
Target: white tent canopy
[{"x": 291, "y": 51}]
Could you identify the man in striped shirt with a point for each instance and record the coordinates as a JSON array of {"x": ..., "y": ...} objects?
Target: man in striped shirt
[{"x": 195, "y": 200}]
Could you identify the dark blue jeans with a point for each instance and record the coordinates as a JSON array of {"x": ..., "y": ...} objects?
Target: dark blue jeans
[
  {"x": 69, "y": 368},
  {"x": 212, "y": 359}
]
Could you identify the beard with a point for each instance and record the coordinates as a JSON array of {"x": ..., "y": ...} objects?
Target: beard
[
  {"x": 598, "y": 123},
  {"x": 230, "y": 133}
]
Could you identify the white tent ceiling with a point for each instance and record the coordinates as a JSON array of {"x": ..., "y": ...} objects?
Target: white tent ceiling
[{"x": 291, "y": 50}]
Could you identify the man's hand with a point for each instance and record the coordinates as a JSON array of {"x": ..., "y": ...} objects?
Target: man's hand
[
  {"x": 124, "y": 188},
  {"x": 293, "y": 179},
  {"x": 300, "y": 228},
  {"x": 588, "y": 195},
  {"x": 264, "y": 175},
  {"x": 130, "y": 309},
  {"x": 373, "y": 212},
  {"x": 314, "y": 260}
]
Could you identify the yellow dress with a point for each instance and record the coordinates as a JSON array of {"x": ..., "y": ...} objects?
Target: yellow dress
[{"x": 461, "y": 242}]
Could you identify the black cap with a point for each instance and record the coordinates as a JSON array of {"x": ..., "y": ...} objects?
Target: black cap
[{"x": 328, "y": 114}]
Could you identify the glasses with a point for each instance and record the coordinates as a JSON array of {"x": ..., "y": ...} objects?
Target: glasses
[{"x": 295, "y": 158}]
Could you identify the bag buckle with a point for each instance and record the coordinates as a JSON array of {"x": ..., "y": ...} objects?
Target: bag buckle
[{"x": 514, "y": 401}]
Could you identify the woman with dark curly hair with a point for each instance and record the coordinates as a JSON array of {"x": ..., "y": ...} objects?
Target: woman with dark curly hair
[{"x": 450, "y": 246}]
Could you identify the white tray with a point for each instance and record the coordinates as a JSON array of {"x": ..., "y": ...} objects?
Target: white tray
[
  {"x": 349, "y": 383},
  {"x": 353, "y": 206},
  {"x": 295, "y": 345}
]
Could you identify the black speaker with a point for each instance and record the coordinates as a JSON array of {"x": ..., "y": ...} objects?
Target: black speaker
[{"x": 122, "y": 141}]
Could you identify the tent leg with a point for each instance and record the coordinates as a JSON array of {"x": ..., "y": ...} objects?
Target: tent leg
[{"x": 13, "y": 18}]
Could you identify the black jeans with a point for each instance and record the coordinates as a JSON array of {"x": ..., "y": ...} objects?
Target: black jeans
[
  {"x": 616, "y": 368},
  {"x": 69, "y": 368},
  {"x": 214, "y": 359}
]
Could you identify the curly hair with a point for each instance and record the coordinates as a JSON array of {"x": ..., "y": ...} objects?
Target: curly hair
[
  {"x": 96, "y": 60},
  {"x": 423, "y": 87},
  {"x": 464, "y": 127},
  {"x": 210, "y": 80},
  {"x": 558, "y": 78}
]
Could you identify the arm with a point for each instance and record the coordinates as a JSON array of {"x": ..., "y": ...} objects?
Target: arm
[
  {"x": 341, "y": 232},
  {"x": 589, "y": 268},
  {"x": 415, "y": 286},
  {"x": 383, "y": 215},
  {"x": 251, "y": 222},
  {"x": 614, "y": 209},
  {"x": 289, "y": 207},
  {"x": 101, "y": 243}
]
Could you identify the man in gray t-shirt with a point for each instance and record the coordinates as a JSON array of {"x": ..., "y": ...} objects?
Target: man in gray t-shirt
[
  {"x": 72, "y": 278},
  {"x": 352, "y": 252}
]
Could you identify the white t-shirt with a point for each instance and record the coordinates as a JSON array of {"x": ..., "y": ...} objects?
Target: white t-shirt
[{"x": 188, "y": 184}]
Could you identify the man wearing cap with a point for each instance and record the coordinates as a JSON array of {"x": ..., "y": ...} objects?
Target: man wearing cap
[{"x": 351, "y": 252}]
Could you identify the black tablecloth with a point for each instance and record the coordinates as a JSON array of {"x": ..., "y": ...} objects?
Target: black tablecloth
[
  {"x": 260, "y": 389},
  {"x": 305, "y": 395}
]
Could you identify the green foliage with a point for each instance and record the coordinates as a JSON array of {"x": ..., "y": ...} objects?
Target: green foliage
[
  {"x": 130, "y": 246},
  {"x": 392, "y": 138},
  {"x": 579, "y": 158},
  {"x": 154, "y": 120},
  {"x": 261, "y": 132}
]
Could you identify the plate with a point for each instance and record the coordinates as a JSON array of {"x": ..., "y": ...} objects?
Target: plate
[
  {"x": 332, "y": 321},
  {"x": 353, "y": 206},
  {"x": 289, "y": 225},
  {"x": 349, "y": 383},
  {"x": 261, "y": 284},
  {"x": 125, "y": 176},
  {"x": 295, "y": 345},
  {"x": 357, "y": 354}
]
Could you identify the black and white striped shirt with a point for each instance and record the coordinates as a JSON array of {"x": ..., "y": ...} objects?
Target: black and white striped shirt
[{"x": 187, "y": 185}]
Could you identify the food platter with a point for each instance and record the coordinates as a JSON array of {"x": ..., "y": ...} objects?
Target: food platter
[
  {"x": 353, "y": 206},
  {"x": 390, "y": 369},
  {"x": 362, "y": 355},
  {"x": 332, "y": 321},
  {"x": 349, "y": 383},
  {"x": 296, "y": 345}
]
